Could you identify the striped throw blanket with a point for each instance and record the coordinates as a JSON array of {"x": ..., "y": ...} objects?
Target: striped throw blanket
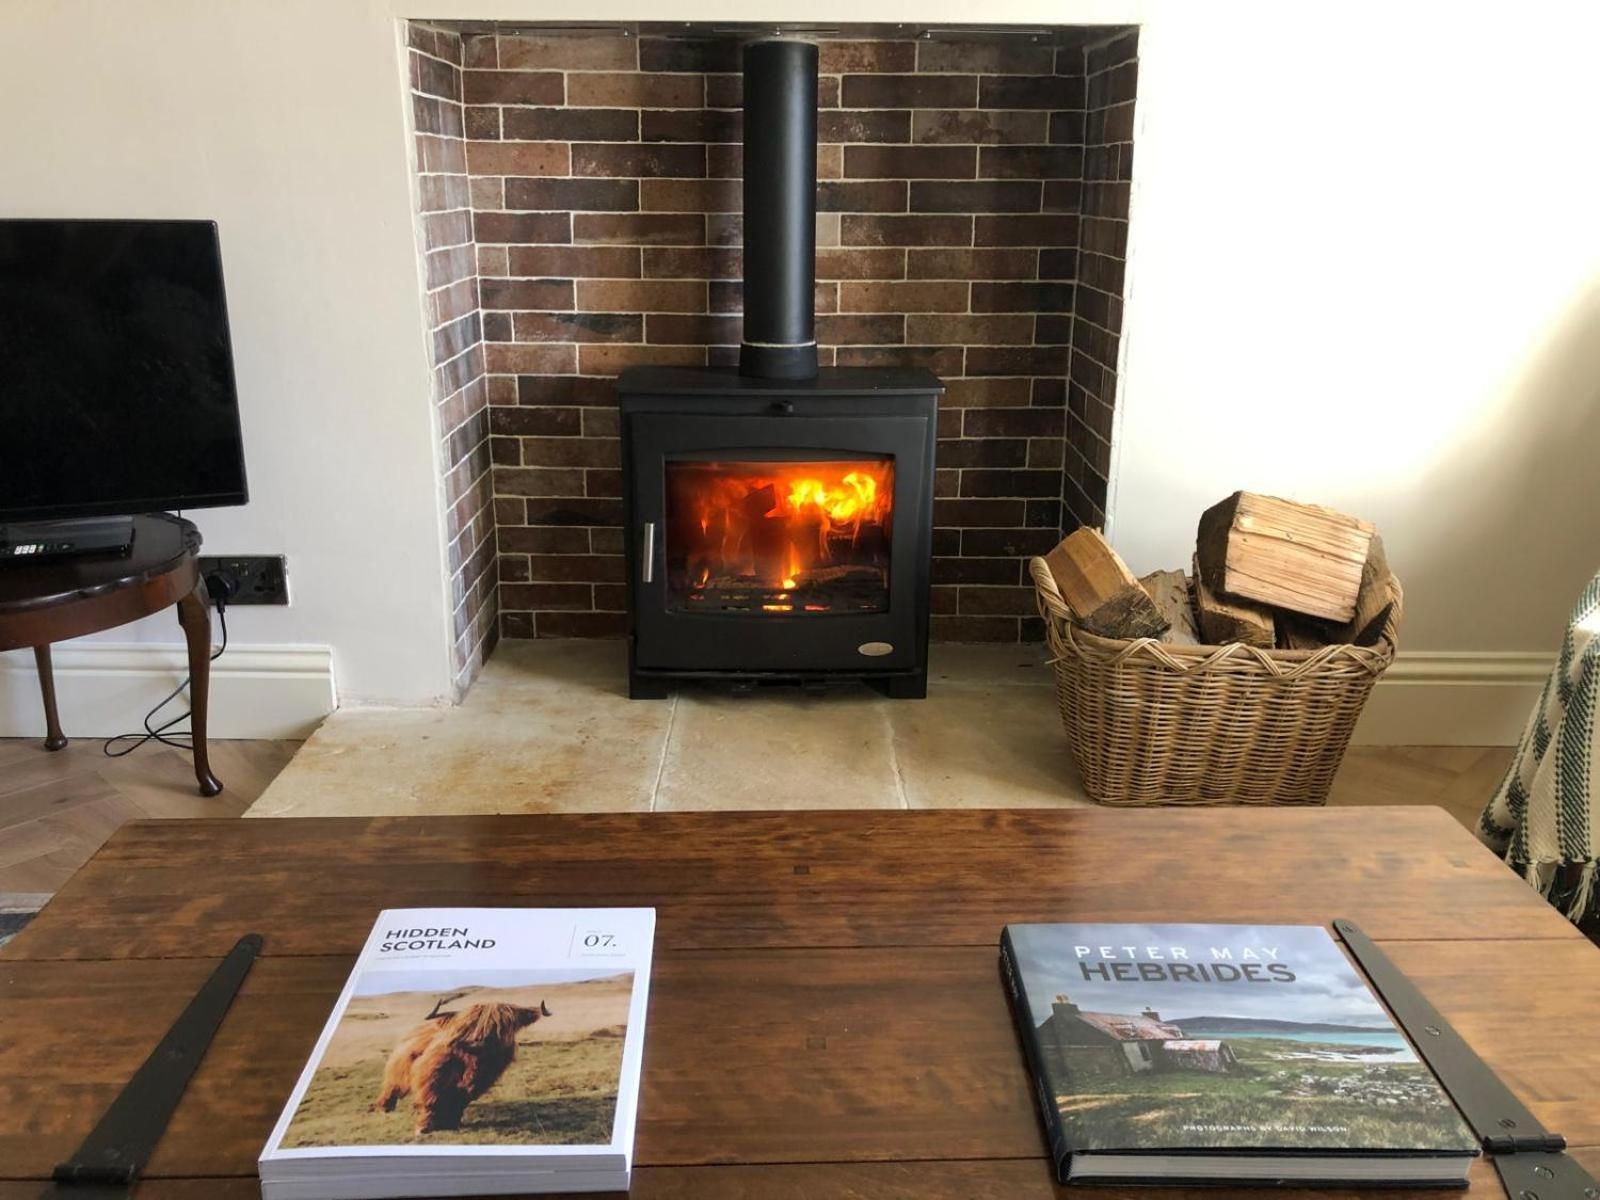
[{"x": 1543, "y": 817}]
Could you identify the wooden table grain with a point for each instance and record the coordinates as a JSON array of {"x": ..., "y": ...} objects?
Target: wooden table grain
[{"x": 825, "y": 1016}]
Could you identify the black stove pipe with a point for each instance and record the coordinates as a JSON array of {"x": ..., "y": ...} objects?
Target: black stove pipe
[{"x": 780, "y": 210}]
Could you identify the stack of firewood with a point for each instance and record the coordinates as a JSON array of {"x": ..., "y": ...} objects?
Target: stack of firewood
[{"x": 1266, "y": 572}]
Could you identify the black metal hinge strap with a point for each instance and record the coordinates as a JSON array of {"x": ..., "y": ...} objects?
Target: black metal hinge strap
[
  {"x": 116, "y": 1150},
  {"x": 1528, "y": 1157}
]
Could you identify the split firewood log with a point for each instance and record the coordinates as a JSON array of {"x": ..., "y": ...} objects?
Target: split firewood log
[
  {"x": 1301, "y": 557},
  {"x": 1170, "y": 591},
  {"x": 1373, "y": 601},
  {"x": 1102, "y": 593},
  {"x": 1224, "y": 620}
]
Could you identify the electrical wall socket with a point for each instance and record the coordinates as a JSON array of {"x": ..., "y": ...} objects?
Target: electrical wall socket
[{"x": 256, "y": 578}]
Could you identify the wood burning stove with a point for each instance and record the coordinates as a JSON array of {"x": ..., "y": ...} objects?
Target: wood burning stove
[
  {"x": 780, "y": 517},
  {"x": 778, "y": 530}
]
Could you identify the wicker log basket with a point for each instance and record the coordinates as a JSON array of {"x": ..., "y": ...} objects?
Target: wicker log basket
[{"x": 1154, "y": 723}]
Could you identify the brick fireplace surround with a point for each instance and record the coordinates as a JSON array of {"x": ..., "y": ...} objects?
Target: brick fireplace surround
[{"x": 579, "y": 212}]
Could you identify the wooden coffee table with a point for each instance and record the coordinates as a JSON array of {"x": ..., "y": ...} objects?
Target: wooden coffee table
[{"x": 826, "y": 1019}]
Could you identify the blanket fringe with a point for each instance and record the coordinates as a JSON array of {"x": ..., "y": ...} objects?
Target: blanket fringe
[
  {"x": 1573, "y": 888},
  {"x": 1541, "y": 877},
  {"x": 1583, "y": 894}
]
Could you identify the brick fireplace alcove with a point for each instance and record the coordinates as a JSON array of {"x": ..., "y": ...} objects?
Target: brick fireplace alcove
[{"x": 580, "y": 199}]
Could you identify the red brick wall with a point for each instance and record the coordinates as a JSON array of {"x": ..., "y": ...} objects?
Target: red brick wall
[
  {"x": 1111, "y": 69},
  {"x": 460, "y": 393},
  {"x": 605, "y": 187}
]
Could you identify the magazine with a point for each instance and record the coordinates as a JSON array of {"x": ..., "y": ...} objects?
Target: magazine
[{"x": 474, "y": 1051}]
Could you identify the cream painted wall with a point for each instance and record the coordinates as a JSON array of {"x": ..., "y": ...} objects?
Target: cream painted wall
[
  {"x": 283, "y": 120},
  {"x": 1364, "y": 270}
]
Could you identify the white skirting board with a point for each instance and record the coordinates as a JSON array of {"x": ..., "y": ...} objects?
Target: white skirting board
[
  {"x": 105, "y": 688},
  {"x": 1454, "y": 698},
  {"x": 1427, "y": 698}
]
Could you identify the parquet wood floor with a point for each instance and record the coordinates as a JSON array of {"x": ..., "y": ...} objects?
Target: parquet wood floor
[{"x": 57, "y": 809}]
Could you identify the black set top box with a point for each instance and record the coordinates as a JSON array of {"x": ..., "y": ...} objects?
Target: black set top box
[{"x": 39, "y": 540}]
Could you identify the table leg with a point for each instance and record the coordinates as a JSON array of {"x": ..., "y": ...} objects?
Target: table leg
[
  {"x": 195, "y": 619},
  {"x": 54, "y": 739}
]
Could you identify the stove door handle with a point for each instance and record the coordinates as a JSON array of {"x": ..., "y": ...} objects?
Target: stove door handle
[{"x": 647, "y": 567}]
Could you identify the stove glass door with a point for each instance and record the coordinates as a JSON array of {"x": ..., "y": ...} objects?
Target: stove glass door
[{"x": 784, "y": 538}]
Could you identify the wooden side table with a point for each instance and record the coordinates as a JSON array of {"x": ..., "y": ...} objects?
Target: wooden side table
[{"x": 47, "y": 602}]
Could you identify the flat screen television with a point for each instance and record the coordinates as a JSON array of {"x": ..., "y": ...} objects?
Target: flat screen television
[{"x": 116, "y": 371}]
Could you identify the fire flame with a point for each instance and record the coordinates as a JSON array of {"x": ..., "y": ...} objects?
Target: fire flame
[
  {"x": 856, "y": 493},
  {"x": 777, "y": 521}
]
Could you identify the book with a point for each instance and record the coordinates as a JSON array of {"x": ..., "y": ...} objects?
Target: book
[
  {"x": 474, "y": 1051},
  {"x": 1222, "y": 1054}
]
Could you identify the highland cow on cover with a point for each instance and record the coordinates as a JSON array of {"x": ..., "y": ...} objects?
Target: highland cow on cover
[{"x": 1222, "y": 1054}]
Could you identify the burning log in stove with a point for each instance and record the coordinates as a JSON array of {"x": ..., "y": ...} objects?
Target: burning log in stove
[{"x": 819, "y": 590}]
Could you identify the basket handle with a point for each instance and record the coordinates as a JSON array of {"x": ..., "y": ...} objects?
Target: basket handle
[{"x": 1051, "y": 603}]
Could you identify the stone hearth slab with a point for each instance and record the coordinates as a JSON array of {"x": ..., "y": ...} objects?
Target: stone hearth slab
[
  {"x": 547, "y": 728},
  {"x": 976, "y": 745},
  {"x": 780, "y": 750}
]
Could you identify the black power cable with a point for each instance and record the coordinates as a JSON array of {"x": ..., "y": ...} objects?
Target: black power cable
[{"x": 220, "y": 590}]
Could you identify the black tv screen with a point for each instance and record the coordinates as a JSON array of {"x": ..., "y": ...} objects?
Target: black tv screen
[{"x": 116, "y": 372}]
